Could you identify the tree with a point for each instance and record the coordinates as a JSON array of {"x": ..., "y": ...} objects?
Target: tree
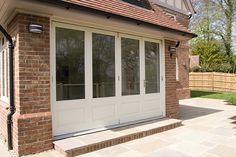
[
  {"x": 228, "y": 8},
  {"x": 214, "y": 21},
  {"x": 213, "y": 24},
  {"x": 202, "y": 23},
  {"x": 210, "y": 52},
  {"x": 212, "y": 56}
]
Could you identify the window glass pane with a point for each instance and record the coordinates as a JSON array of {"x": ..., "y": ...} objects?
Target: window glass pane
[
  {"x": 130, "y": 66},
  {"x": 0, "y": 73},
  {"x": 69, "y": 64},
  {"x": 7, "y": 73},
  {"x": 152, "y": 72},
  {"x": 103, "y": 65},
  {"x": 3, "y": 73},
  {"x": 141, "y": 3},
  {"x": 177, "y": 69}
]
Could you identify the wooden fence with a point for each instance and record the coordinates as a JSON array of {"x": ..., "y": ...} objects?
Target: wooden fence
[{"x": 212, "y": 81}]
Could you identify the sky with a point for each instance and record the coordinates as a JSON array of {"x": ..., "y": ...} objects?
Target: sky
[
  {"x": 234, "y": 36},
  {"x": 234, "y": 28}
]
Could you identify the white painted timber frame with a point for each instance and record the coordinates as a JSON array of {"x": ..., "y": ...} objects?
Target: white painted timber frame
[
  {"x": 81, "y": 115},
  {"x": 3, "y": 77}
]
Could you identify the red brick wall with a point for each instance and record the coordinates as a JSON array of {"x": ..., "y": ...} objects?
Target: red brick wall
[
  {"x": 172, "y": 105},
  {"x": 32, "y": 121},
  {"x": 183, "y": 90}
]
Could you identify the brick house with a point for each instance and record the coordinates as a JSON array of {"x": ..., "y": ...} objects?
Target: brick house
[{"x": 79, "y": 65}]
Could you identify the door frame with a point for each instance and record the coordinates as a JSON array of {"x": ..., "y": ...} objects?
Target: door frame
[{"x": 88, "y": 94}]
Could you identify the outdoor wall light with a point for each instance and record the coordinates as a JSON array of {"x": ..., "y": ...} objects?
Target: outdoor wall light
[
  {"x": 172, "y": 49},
  {"x": 35, "y": 28},
  {"x": 190, "y": 15}
]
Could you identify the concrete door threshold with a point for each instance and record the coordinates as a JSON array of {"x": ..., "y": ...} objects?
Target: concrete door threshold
[{"x": 74, "y": 146}]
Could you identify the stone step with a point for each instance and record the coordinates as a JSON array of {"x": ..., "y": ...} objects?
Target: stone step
[{"x": 79, "y": 145}]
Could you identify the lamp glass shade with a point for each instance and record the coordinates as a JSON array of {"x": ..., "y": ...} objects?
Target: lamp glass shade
[{"x": 35, "y": 28}]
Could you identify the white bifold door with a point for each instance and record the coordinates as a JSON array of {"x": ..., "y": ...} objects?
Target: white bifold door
[{"x": 103, "y": 79}]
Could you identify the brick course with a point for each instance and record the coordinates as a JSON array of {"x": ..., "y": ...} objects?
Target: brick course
[
  {"x": 172, "y": 105},
  {"x": 183, "y": 90}
]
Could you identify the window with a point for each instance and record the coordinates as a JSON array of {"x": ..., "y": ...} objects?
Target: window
[
  {"x": 70, "y": 76},
  {"x": 177, "y": 69},
  {"x": 4, "y": 70},
  {"x": 141, "y": 3}
]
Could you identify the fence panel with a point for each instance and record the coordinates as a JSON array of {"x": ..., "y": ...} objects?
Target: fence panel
[{"x": 212, "y": 81}]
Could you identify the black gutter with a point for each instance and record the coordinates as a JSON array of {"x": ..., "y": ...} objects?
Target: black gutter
[
  {"x": 69, "y": 5},
  {"x": 11, "y": 83}
]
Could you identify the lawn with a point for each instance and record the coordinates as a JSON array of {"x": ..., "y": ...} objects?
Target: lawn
[{"x": 230, "y": 97}]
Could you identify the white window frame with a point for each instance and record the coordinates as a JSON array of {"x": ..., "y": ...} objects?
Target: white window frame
[
  {"x": 177, "y": 68},
  {"x": 4, "y": 78}
]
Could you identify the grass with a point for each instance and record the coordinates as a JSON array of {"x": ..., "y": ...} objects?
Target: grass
[{"x": 230, "y": 97}]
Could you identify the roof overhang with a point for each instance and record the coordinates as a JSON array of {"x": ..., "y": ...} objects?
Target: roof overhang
[
  {"x": 87, "y": 17},
  {"x": 109, "y": 15}
]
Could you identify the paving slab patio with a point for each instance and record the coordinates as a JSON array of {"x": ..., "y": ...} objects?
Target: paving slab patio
[
  {"x": 207, "y": 131},
  {"x": 3, "y": 150}
]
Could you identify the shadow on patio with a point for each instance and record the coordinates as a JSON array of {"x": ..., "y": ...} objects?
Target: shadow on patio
[{"x": 190, "y": 112}]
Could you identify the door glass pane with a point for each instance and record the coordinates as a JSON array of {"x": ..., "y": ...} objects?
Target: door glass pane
[
  {"x": 152, "y": 68},
  {"x": 103, "y": 65},
  {"x": 130, "y": 66},
  {"x": 69, "y": 64}
]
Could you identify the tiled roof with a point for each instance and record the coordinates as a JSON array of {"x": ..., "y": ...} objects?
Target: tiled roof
[{"x": 118, "y": 7}]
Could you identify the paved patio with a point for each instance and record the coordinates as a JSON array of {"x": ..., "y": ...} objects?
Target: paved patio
[{"x": 207, "y": 131}]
